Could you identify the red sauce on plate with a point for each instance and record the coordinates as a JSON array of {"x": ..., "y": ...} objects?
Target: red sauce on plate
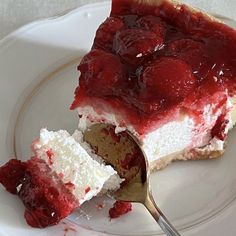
[
  {"x": 46, "y": 199},
  {"x": 120, "y": 208}
]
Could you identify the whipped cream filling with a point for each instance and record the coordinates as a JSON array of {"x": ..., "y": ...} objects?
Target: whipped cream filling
[
  {"x": 176, "y": 136},
  {"x": 81, "y": 169}
]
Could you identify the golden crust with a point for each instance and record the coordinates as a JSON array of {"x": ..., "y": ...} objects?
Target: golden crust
[{"x": 195, "y": 154}]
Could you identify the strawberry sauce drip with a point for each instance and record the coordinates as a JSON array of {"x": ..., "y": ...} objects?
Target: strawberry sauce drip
[
  {"x": 120, "y": 208},
  {"x": 148, "y": 62},
  {"x": 47, "y": 200},
  {"x": 219, "y": 130},
  {"x": 87, "y": 190}
]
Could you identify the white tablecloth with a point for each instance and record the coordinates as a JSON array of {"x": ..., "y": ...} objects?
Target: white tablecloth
[{"x": 15, "y": 13}]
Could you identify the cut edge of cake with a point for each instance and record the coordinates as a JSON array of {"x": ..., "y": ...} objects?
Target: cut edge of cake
[
  {"x": 213, "y": 149},
  {"x": 59, "y": 178},
  {"x": 69, "y": 155}
]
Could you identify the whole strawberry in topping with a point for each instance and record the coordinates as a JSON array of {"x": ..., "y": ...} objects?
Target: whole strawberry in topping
[
  {"x": 106, "y": 32},
  {"x": 169, "y": 77},
  {"x": 188, "y": 50},
  {"x": 153, "y": 24},
  {"x": 100, "y": 72},
  {"x": 132, "y": 44}
]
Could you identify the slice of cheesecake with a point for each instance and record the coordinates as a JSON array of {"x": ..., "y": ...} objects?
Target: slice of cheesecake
[
  {"x": 166, "y": 73},
  {"x": 61, "y": 176}
]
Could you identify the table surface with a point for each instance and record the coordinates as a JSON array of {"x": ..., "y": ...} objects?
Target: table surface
[{"x": 15, "y": 13}]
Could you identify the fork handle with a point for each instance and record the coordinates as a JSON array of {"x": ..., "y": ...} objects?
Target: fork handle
[{"x": 160, "y": 218}]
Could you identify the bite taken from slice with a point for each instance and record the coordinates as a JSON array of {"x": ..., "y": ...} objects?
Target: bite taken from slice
[
  {"x": 62, "y": 175},
  {"x": 166, "y": 73}
]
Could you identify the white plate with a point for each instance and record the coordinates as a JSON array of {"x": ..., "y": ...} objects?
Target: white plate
[{"x": 38, "y": 77}]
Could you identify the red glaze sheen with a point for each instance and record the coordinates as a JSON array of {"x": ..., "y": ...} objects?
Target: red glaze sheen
[
  {"x": 46, "y": 199},
  {"x": 149, "y": 62},
  {"x": 174, "y": 85},
  {"x": 12, "y": 174},
  {"x": 87, "y": 190},
  {"x": 120, "y": 208}
]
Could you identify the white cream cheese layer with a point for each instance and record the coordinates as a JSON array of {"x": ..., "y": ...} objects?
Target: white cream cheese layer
[
  {"x": 173, "y": 137},
  {"x": 170, "y": 138},
  {"x": 70, "y": 160}
]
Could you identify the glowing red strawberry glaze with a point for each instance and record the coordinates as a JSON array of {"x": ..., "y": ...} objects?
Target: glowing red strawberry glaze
[
  {"x": 12, "y": 174},
  {"x": 149, "y": 63},
  {"x": 46, "y": 198},
  {"x": 87, "y": 190}
]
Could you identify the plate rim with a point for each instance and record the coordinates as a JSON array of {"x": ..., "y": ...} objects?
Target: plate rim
[{"x": 11, "y": 38}]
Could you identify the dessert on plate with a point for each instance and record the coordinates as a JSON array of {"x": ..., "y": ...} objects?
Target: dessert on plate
[
  {"x": 62, "y": 175},
  {"x": 158, "y": 69},
  {"x": 164, "y": 72}
]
